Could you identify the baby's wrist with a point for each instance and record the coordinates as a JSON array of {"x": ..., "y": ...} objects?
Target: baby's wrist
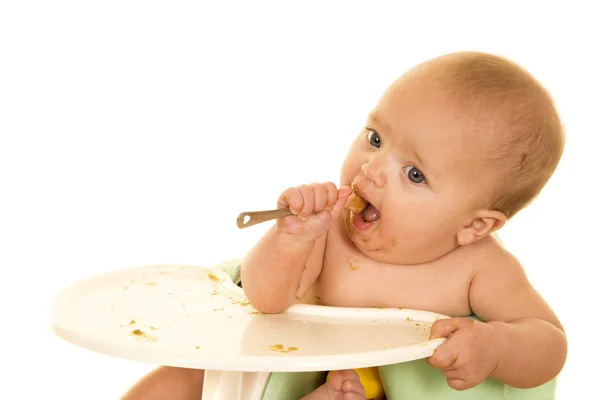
[
  {"x": 294, "y": 238},
  {"x": 291, "y": 240},
  {"x": 498, "y": 344}
]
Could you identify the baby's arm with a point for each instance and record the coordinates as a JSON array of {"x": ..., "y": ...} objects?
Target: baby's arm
[
  {"x": 273, "y": 272},
  {"x": 284, "y": 264},
  {"x": 532, "y": 343}
]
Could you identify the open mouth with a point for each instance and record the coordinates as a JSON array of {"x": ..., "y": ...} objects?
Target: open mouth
[
  {"x": 370, "y": 213},
  {"x": 362, "y": 213}
]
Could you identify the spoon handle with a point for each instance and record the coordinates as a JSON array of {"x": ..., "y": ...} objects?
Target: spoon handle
[{"x": 250, "y": 218}]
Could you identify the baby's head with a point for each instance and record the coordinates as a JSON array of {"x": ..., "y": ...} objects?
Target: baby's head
[{"x": 455, "y": 147}]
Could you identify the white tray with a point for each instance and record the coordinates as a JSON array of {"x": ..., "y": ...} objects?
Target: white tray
[{"x": 196, "y": 317}]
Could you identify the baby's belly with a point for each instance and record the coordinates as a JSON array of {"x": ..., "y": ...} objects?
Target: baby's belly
[{"x": 403, "y": 288}]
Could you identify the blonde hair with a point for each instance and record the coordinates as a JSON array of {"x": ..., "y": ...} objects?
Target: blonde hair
[{"x": 529, "y": 136}]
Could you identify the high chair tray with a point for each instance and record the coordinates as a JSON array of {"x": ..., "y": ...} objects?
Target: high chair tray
[{"x": 197, "y": 317}]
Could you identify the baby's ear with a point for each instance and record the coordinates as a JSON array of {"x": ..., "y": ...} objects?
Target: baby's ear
[{"x": 483, "y": 224}]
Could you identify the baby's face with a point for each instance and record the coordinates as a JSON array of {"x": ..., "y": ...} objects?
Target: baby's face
[{"x": 421, "y": 168}]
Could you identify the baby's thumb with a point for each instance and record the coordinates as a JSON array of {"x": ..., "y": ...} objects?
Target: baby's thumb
[
  {"x": 343, "y": 195},
  {"x": 447, "y": 326}
]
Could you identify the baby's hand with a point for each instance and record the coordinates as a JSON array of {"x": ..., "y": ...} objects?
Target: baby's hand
[
  {"x": 469, "y": 355},
  {"x": 314, "y": 208}
]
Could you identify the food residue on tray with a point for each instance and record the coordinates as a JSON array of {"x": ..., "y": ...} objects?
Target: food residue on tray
[
  {"x": 140, "y": 335},
  {"x": 281, "y": 348},
  {"x": 213, "y": 277},
  {"x": 242, "y": 303}
]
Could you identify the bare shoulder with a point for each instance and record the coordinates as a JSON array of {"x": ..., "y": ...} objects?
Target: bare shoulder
[
  {"x": 495, "y": 265},
  {"x": 500, "y": 289},
  {"x": 488, "y": 252}
]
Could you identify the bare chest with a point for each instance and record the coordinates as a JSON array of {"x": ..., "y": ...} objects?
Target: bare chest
[{"x": 350, "y": 279}]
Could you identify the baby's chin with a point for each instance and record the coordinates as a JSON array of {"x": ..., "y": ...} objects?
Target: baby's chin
[
  {"x": 379, "y": 249},
  {"x": 388, "y": 251}
]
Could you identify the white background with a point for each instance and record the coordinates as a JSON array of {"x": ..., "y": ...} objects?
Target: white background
[{"x": 133, "y": 133}]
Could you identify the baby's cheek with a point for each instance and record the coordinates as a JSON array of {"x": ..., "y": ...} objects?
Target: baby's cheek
[
  {"x": 350, "y": 168},
  {"x": 401, "y": 228},
  {"x": 346, "y": 177}
]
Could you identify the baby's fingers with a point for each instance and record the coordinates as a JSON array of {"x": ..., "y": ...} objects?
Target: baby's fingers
[
  {"x": 308, "y": 199},
  {"x": 291, "y": 198},
  {"x": 458, "y": 384},
  {"x": 332, "y": 195},
  {"x": 321, "y": 196},
  {"x": 444, "y": 357},
  {"x": 342, "y": 198},
  {"x": 446, "y": 327}
]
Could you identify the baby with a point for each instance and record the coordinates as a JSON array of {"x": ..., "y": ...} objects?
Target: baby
[{"x": 455, "y": 147}]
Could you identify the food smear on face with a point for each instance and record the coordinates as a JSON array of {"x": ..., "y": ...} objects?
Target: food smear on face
[
  {"x": 355, "y": 203},
  {"x": 349, "y": 227},
  {"x": 361, "y": 215}
]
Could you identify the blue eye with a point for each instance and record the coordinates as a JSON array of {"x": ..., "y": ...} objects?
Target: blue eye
[
  {"x": 374, "y": 139},
  {"x": 414, "y": 174}
]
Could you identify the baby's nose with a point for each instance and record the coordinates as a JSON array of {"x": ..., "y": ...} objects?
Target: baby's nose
[{"x": 375, "y": 170}]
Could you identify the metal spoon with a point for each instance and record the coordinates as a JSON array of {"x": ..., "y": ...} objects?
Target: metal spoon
[{"x": 250, "y": 218}]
